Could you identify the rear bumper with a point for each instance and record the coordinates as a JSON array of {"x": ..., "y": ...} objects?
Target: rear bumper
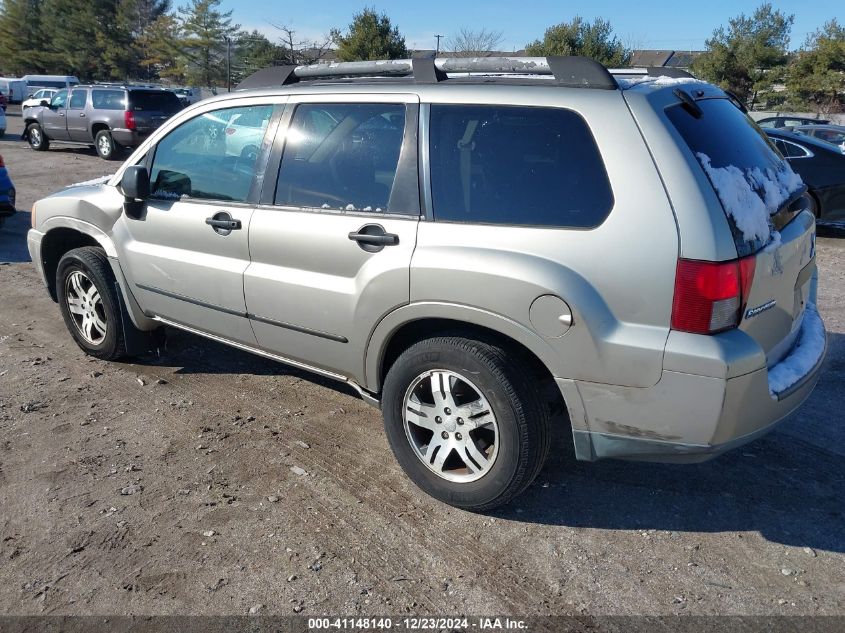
[
  {"x": 691, "y": 417},
  {"x": 128, "y": 138}
]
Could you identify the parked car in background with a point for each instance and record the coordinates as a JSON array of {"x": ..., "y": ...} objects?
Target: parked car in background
[
  {"x": 34, "y": 99},
  {"x": 108, "y": 117},
  {"x": 2, "y": 122},
  {"x": 435, "y": 247},
  {"x": 13, "y": 88},
  {"x": 34, "y": 82},
  {"x": 188, "y": 96},
  {"x": 7, "y": 193},
  {"x": 789, "y": 121},
  {"x": 821, "y": 166},
  {"x": 833, "y": 134},
  {"x": 4, "y": 101}
]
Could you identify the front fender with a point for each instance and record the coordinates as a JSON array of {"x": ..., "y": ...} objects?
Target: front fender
[{"x": 390, "y": 324}]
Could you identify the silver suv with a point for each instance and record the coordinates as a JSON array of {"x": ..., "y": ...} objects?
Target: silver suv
[{"x": 475, "y": 246}]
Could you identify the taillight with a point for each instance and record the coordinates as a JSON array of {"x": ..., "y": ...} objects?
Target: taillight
[
  {"x": 129, "y": 119},
  {"x": 710, "y": 296}
]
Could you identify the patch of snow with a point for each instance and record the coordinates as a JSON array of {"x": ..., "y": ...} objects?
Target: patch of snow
[
  {"x": 350, "y": 207},
  {"x": 751, "y": 197},
  {"x": 167, "y": 195},
  {"x": 656, "y": 82},
  {"x": 804, "y": 356},
  {"x": 93, "y": 181}
]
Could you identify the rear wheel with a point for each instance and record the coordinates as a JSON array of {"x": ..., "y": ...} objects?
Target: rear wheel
[
  {"x": 85, "y": 287},
  {"x": 466, "y": 421},
  {"x": 36, "y": 137},
  {"x": 106, "y": 147}
]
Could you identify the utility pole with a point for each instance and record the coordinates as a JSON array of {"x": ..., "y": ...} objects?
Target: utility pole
[
  {"x": 228, "y": 64},
  {"x": 437, "y": 50}
]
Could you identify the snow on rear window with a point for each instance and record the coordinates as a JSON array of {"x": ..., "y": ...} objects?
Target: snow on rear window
[
  {"x": 749, "y": 175},
  {"x": 752, "y": 196}
]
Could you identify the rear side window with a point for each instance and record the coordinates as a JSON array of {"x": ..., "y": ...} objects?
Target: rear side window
[
  {"x": 516, "y": 165},
  {"x": 341, "y": 156},
  {"x": 108, "y": 99},
  {"x": 77, "y": 99},
  {"x": 148, "y": 100}
]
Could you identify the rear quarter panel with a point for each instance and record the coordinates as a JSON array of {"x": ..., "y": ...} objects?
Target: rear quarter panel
[{"x": 617, "y": 279}]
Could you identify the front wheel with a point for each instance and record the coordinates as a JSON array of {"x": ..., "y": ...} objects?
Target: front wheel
[
  {"x": 466, "y": 421},
  {"x": 85, "y": 288},
  {"x": 37, "y": 139}
]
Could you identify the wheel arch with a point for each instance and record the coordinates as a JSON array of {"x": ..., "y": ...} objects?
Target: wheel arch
[
  {"x": 409, "y": 324},
  {"x": 64, "y": 234},
  {"x": 97, "y": 127}
]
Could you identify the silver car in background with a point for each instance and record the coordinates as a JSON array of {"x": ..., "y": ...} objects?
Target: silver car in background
[{"x": 476, "y": 246}]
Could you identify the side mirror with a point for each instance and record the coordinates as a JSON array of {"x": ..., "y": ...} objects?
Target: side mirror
[
  {"x": 135, "y": 185},
  {"x": 44, "y": 103}
]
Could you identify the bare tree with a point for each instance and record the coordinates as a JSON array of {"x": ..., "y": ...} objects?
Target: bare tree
[
  {"x": 469, "y": 43},
  {"x": 297, "y": 51}
]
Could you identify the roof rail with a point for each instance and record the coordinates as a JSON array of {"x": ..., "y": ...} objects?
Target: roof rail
[
  {"x": 653, "y": 71},
  {"x": 580, "y": 72}
]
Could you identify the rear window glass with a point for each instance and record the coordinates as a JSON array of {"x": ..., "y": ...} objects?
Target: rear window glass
[
  {"x": 148, "y": 100},
  {"x": 108, "y": 99},
  {"x": 741, "y": 162},
  {"x": 516, "y": 165}
]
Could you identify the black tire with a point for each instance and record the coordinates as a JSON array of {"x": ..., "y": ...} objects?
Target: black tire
[
  {"x": 106, "y": 148},
  {"x": 94, "y": 265},
  {"x": 36, "y": 137},
  {"x": 510, "y": 386}
]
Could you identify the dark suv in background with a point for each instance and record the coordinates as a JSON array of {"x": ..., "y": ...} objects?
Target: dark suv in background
[{"x": 106, "y": 116}]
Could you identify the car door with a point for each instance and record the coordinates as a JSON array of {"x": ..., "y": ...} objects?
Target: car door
[
  {"x": 77, "y": 119},
  {"x": 54, "y": 117},
  {"x": 332, "y": 240},
  {"x": 186, "y": 256}
]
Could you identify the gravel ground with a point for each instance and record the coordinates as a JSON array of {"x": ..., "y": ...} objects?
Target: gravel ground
[{"x": 209, "y": 481}]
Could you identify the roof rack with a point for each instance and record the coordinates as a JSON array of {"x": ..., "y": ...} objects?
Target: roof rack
[
  {"x": 652, "y": 71},
  {"x": 580, "y": 72}
]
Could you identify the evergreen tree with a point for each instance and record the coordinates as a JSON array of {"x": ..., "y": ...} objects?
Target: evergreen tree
[
  {"x": 746, "y": 56},
  {"x": 370, "y": 36},
  {"x": 21, "y": 39},
  {"x": 161, "y": 50},
  {"x": 816, "y": 77},
  {"x": 206, "y": 30},
  {"x": 579, "y": 37}
]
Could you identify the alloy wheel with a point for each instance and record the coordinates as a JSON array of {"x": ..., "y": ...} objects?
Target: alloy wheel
[{"x": 86, "y": 307}]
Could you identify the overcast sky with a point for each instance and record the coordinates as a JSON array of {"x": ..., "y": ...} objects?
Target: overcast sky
[{"x": 678, "y": 25}]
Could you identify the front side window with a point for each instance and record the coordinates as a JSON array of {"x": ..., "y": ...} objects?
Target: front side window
[
  {"x": 516, "y": 165},
  {"x": 341, "y": 156},
  {"x": 78, "y": 99},
  {"x": 108, "y": 99},
  {"x": 199, "y": 159},
  {"x": 59, "y": 99}
]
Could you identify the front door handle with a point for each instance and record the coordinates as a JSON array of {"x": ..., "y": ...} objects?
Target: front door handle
[
  {"x": 222, "y": 223},
  {"x": 373, "y": 238}
]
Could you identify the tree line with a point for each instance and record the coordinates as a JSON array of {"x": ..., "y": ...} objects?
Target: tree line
[{"x": 199, "y": 44}]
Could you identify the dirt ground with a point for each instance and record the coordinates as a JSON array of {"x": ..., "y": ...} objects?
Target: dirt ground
[{"x": 165, "y": 486}]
